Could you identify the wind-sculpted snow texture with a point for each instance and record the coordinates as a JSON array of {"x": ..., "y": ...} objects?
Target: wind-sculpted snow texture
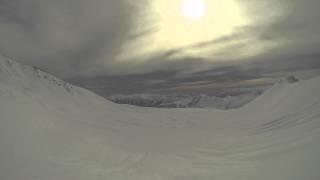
[{"x": 50, "y": 130}]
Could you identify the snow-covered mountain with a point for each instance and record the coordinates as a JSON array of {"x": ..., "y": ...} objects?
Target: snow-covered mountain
[
  {"x": 184, "y": 101},
  {"x": 51, "y": 130},
  {"x": 195, "y": 101}
]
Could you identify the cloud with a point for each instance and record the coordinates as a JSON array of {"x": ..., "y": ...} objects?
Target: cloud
[
  {"x": 295, "y": 30},
  {"x": 64, "y": 36},
  {"x": 72, "y": 38}
]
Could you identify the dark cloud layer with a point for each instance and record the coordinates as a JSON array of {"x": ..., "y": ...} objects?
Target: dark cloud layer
[{"x": 221, "y": 80}]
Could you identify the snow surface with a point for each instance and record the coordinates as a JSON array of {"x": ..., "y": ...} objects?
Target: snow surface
[{"x": 50, "y": 130}]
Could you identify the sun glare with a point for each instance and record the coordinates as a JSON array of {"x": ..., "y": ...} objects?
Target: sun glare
[
  {"x": 181, "y": 23},
  {"x": 194, "y": 9}
]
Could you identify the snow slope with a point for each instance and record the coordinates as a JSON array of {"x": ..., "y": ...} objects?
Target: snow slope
[{"x": 50, "y": 130}]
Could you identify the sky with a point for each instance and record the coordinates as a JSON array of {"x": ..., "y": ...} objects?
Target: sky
[{"x": 81, "y": 39}]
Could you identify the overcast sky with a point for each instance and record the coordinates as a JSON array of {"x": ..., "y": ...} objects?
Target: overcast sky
[{"x": 81, "y": 38}]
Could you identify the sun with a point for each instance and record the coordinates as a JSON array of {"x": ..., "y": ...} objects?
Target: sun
[
  {"x": 177, "y": 24},
  {"x": 194, "y": 9}
]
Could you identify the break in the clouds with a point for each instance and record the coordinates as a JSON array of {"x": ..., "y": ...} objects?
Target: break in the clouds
[{"x": 116, "y": 37}]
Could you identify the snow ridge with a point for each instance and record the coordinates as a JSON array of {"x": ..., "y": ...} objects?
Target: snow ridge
[{"x": 16, "y": 73}]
